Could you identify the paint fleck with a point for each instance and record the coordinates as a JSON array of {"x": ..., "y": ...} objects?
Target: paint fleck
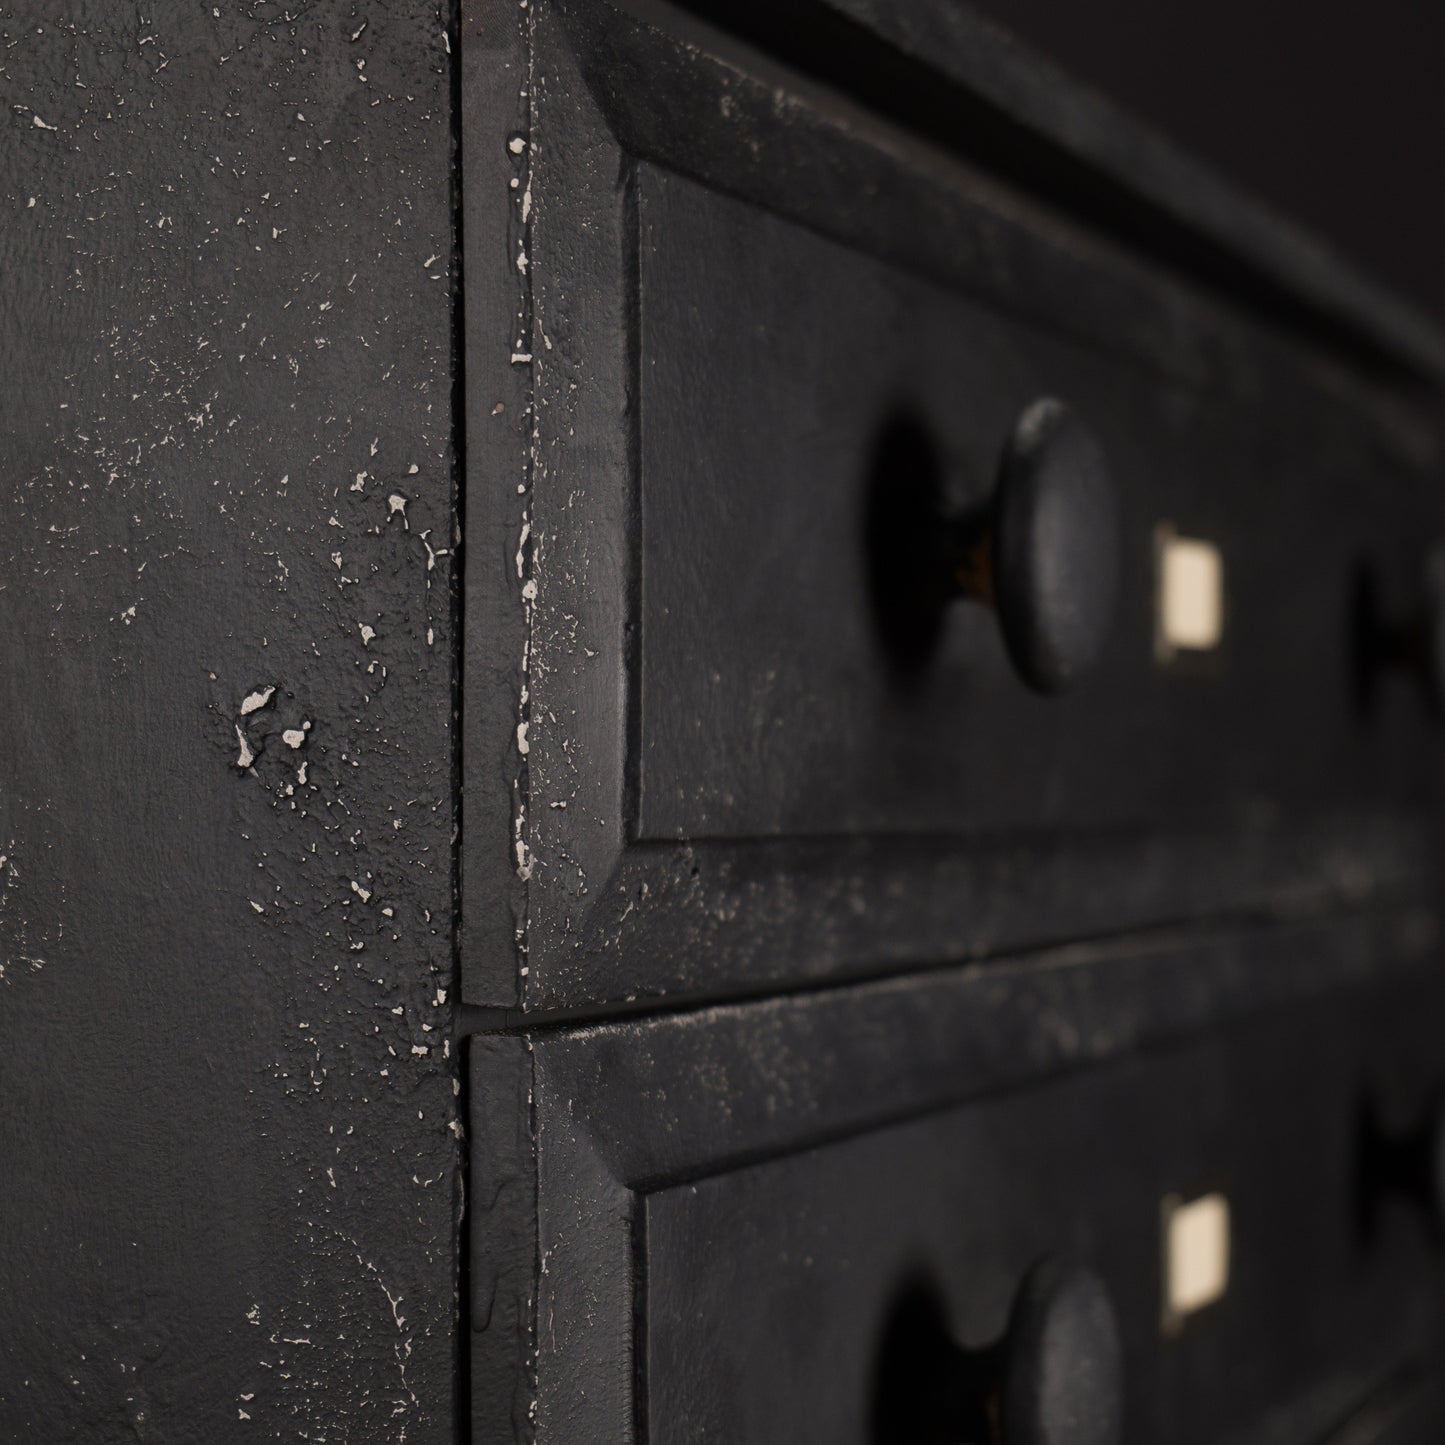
[{"x": 247, "y": 756}]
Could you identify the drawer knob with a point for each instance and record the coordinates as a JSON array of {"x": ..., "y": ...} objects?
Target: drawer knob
[
  {"x": 1045, "y": 553},
  {"x": 1055, "y": 1378},
  {"x": 1062, "y": 1374},
  {"x": 1407, "y": 1165},
  {"x": 1413, "y": 643}
]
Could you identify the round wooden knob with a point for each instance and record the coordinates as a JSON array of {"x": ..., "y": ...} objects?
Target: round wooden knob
[
  {"x": 1430, "y": 657},
  {"x": 1045, "y": 555},
  {"x": 1062, "y": 1373},
  {"x": 1412, "y": 641},
  {"x": 1407, "y": 1164},
  {"x": 1055, "y": 1377}
]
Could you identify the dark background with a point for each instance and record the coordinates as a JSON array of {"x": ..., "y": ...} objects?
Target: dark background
[{"x": 1333, "y": 113}]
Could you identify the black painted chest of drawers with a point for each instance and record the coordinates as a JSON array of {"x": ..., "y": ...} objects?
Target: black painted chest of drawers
[
  {"x": 722, "y": 723},
  {"x": 951, "y": 756}
]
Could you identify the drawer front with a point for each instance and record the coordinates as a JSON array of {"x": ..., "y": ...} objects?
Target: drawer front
[
  {"x": 744, "y": 1223},
  {"x": 856, "y": 1278},
  {"x": 795, "y": 413},
  {"x": 756, "y": 352}
]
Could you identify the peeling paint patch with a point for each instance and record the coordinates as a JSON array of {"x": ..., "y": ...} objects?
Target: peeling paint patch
[{"x": 247, "y": 757}]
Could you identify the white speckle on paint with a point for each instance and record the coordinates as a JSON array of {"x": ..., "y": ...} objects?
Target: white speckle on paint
[
  {"x": 367, "y": 633},
  {"x": 40, "y": 124},
  {"x": 523, "y": 746},
  {"x": 396, "y": 503},
  {"x": 360, "y": 483},
  {"x": 255, "y": 905},
  {"x": 254, "y": 1314},
  {"x": 362, "y": 893},
  {"x": 247, "y": 756},
  {"x": 521, "y": 358},
  {"x": 429, "y": 637},
  {"x": 516, "y": 145},
  {"x": 257, "y": 699},
  {"x": 294, "y": 737},
  {"x": 529, "y": 590}
]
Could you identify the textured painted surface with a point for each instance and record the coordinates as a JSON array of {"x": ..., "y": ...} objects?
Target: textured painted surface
[{"x": 227, "y": 1114}]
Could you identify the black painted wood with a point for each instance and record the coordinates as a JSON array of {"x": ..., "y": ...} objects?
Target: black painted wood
[
  {"x": 722, "y": 291},
  {"x": 782, "y": 963},
  {"x": 731, "y": 1201},
  {"x": 764, "y": 875},
  {"x": 228, "y": 1132}
]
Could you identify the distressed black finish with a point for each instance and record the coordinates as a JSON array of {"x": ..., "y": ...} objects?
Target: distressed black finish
[
  {"x": 227, "y": 1124},
  {"x": 781, "y": 977},
  {"x": 731, "y": 1202},
  {"x": 699, "y": 770},
  {"x": 788, "y": 1062}
]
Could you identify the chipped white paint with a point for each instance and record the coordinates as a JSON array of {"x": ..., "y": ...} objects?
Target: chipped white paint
[
  {"x": 256, "y": 700},
  {"x": 367, "y": 633},
  {"x": 247, "y": 757},
  {"x": 521, "y": 547}
]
